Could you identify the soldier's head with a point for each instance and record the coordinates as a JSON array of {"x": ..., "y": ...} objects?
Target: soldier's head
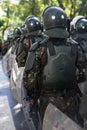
[
  {"x": 81, "y": 28},
  {"x": 73, "y": 24},
  {"x": 17, "y": 32},
  {"x": 23, "y": 29},
  {"x": 33, "y": 26},
  {"x": 10, "y": 37},
  {"x": 55, "y": 22}
]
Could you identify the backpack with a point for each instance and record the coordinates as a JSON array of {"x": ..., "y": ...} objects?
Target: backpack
[{"x": 60, "y": 70}]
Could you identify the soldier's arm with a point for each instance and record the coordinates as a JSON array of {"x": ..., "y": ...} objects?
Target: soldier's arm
[{"x": 30, "y": 75}]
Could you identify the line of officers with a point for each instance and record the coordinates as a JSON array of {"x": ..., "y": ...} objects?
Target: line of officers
[{"x": 34, "y": 42}]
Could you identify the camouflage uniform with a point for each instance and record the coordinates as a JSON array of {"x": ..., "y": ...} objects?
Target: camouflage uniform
[
  {"x": 30, "y": 77},
  {"x": 66, "y": 100},
  {"x": 22, "y": 51},
  {"x": 24, "y": 47}
]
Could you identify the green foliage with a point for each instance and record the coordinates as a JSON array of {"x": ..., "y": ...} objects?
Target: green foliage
[{"x": 2, "y": 22}]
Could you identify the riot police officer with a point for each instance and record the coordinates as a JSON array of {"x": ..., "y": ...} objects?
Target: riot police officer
[
  {"x": 7, "y": 43},
  {"x": 81, "y": 37},
  {"x": 33, "y": 33},
  {"x": 73, "y": 32},
  {"x": 16, "y": 39},
  {"x": 53, "y": 70},
  {"x": 79, "y": 34}
]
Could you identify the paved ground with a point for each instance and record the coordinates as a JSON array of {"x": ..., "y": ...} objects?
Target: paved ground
[{"x": 11, "y": 114}]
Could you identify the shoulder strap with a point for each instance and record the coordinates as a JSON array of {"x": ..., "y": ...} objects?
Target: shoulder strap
[
  {"x": 80, "y": 43},
  {"x": 73, "y": 45},
  {"x": 34, "y": 47},
  {"x": 31, "y": 57},
  {"x": 30, "y": 61},
  {"x": 51, "y": 48}
]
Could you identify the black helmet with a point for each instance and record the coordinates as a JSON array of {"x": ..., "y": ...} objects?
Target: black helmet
[
  {"x": 33, "y": 25},
  {"x": 17, "y": 31},
  {"x": 55, "y": 19},
  {"x": 81, "y": 26},
  {"x": 10, "y": 36},
  {"x": 23, "y": 29},
  {"x": 28, "y": 18},
  {"x": 74, "y": 22}
]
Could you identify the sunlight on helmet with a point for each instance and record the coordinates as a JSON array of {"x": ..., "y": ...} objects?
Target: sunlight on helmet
[
  {"x": 37, "y": 23},
  {"x": 62, "y": 17},
  {"x": 31, "y": 24},
  {"x": 53, "y": 17},
  {"x": 83, "y": 27}
]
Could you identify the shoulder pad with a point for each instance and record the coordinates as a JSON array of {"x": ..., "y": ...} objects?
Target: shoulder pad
[
  {"x": 34, "y": 46},
  {"x": 44, "y": 41}
]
